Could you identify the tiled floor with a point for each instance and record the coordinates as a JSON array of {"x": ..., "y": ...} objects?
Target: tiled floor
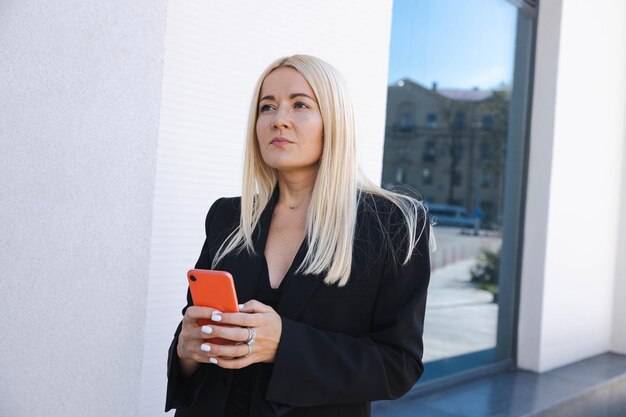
[{"x": 598, "y": 383}]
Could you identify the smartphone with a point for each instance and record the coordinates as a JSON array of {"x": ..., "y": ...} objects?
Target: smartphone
[{"x": 215, "y": 289}]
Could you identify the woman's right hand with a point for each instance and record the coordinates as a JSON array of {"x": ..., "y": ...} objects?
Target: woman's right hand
[
  {"x": 191, "y": 337},
  {"x": 192, "y": 349}
]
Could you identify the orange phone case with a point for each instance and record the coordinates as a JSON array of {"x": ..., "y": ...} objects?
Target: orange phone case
[{"x": 215, "y": 289}]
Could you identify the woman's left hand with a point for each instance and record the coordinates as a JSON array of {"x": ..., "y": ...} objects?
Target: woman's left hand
[{"x": 267, "y": 326}]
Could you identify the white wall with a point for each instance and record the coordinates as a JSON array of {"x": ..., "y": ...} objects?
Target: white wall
[
  {"x": 79, "y": 106},
  {"x": 574, "y": 185},
  {"x": 214, "y": 53},
  {"x": 618, "y": 342}
]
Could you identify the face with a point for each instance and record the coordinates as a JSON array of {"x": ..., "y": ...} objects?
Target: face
[{"x": 289, "y": 126}]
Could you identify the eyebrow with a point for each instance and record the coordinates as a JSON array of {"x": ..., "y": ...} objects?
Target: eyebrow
[{"x": 291, "y": 96}]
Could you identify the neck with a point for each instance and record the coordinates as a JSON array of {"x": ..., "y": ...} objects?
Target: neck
[{"x": 295, "y": 190}]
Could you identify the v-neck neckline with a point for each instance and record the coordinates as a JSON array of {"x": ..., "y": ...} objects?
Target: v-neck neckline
[
  {"x": 264, "y": 226},
  {"x": 266, "y": 276},
  {"x": 297, "y": 288},
  {"x": 295, "y": 263}
]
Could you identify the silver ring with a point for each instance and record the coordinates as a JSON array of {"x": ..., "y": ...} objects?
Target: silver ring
[
  {"x": 249, "y": 349},
  {"x": 251, "y": 336}
]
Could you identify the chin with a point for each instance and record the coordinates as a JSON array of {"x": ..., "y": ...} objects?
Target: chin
[{"x": 288, "y": 164}]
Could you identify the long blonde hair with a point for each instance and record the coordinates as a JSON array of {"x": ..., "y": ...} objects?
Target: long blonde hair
[{"x": 331, "y": 217}]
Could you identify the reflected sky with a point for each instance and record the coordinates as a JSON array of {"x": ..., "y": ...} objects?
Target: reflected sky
[{"x": 455, "y": 43}]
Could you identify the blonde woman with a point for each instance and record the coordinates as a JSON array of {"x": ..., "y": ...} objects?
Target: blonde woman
[{"x": 332, "y": 269}]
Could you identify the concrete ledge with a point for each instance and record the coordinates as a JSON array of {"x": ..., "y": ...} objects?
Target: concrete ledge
[{"x": 592, "y": 387}]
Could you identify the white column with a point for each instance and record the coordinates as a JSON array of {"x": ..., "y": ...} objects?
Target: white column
[{"x": 574, "y": 185}]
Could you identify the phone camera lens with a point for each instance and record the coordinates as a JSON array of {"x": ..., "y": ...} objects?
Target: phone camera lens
[{"x": 192, "y": 278}]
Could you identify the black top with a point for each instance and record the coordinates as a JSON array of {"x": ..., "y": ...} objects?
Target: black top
[{"x": 238, "y": 402}]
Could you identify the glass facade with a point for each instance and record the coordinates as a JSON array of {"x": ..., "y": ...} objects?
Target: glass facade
[{"x": 455, "y": 134}]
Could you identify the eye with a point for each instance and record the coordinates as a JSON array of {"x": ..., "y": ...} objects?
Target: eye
[
  {"x": 301, "y": 105},
  {"x": 265, "y": 107}
]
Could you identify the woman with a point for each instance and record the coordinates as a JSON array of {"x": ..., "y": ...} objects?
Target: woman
[{"x": 332, "y": 268}]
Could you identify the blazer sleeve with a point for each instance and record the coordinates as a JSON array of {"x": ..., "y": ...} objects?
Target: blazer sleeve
[
  {"x": 316, "y": 367},
  {"x": 181, "y": 391}
]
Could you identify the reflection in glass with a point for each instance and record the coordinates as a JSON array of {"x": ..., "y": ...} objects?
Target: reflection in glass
[{"x": 450, "y": 76}]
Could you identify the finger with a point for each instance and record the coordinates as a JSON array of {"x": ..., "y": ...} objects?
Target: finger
[
  {"x": 196, "y": 313},
  {"x": 209, "y": 331},
  {"x": 204, "y": 352},
  {"x": 234, "y": 363},
  {"x": 238, "y": 319},
  {"x": 193, "y": 350},
  {"x": 254, "y": 306},
  {"x": 231, "y": 351}
]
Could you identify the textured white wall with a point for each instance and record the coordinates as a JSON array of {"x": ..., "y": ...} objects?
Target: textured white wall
[
  {"x": 572, "y": 218},
  {"x": 214, "y": 53},
  {"x": 79, "y": 105}
]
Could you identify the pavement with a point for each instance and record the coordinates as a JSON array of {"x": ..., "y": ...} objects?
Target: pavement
[{"x": 460, "y": 319}]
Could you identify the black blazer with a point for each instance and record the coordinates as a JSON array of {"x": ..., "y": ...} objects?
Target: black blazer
[{"x": 340, "y": 348}]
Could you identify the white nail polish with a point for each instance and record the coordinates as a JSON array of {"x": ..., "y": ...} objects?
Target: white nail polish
[
  {"x": 216, "y": 317},
  {"x": 213, "y": 361},
  {"x": 240, "y": 306},
  {"x": 205, "y": 347},
  {"x": 207, "y": 329}
]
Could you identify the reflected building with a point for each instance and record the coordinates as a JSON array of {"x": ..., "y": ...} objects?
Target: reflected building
[{"x": 449, "y": 145}]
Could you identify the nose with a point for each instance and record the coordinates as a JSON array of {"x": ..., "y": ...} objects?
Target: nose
[{"x": 280, "y": 120}]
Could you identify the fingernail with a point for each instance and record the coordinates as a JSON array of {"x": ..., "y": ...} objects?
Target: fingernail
[
  {"x": 240, "y": 306},
  {"x": 213, "y": 361},
  {"x": 205, "y": 347},
  {"x": 207, "y": 329},
  {"x": 216, "y": 317}
]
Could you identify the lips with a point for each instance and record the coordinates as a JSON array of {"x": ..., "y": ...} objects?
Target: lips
[{"x": 280, "y": 140}]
